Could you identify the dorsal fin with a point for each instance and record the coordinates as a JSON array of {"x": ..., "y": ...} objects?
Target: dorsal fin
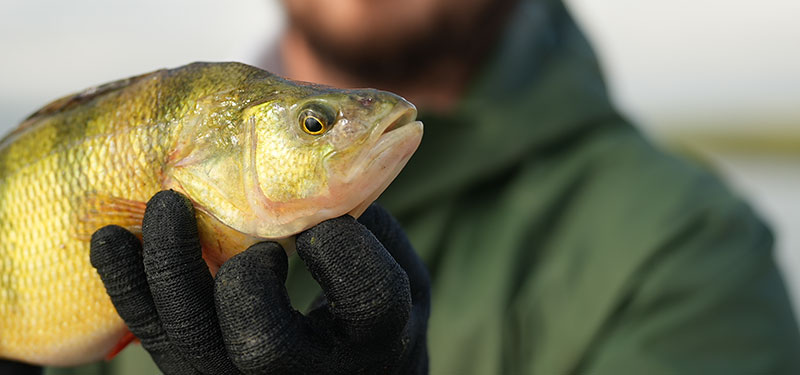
[{"x": 71, "y": 101}]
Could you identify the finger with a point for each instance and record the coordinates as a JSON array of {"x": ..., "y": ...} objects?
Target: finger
[
  {"x": 18, "y": 368},
  {"x": 263, "y": 333},
  {"x": 388, "y": 231},
  {"x": 368, "y": 292},
  {"x": 117, "y": 256},
  {"x": 181, "y": 284}
]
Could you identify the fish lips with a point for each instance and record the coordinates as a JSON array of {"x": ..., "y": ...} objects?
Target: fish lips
[{"x": 393, "y": 141}]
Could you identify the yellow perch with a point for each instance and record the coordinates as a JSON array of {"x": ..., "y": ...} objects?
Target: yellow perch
[{"x": 261, "y": 157}]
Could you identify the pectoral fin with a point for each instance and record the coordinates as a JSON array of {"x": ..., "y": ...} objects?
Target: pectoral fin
[{"x": 98, "y": 210}]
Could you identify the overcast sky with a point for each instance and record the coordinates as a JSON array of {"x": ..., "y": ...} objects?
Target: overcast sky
[{"x": 731, "y": 64}]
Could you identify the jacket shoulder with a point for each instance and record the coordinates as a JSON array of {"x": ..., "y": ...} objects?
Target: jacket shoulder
[{"x": 650, "y": 256}]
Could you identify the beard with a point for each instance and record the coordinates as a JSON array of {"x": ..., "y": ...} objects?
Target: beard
[{"x": 394, "y": 51}]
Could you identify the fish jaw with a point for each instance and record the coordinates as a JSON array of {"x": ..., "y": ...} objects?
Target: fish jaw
[
  {"x": 387, "y": 159},
  {"x": 394, "y": 142}
]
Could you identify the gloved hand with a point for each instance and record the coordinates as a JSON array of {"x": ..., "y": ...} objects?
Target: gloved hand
[
  {"x": 18, "y": 368},
  {"x": 373, "y": 319}
]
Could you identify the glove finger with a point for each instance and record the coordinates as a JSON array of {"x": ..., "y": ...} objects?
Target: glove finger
[
  {"x": 18, "y": 368},
  {"x": 388, "y": 231},
  {"x": 263, "y": 333},
  {"x": 368, "y": 292},
  {"x": 117, "y": 256},
  {"x": 181, "y": 284}
]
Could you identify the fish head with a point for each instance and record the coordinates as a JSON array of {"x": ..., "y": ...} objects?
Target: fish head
[
  {"x": 264, "y": 158},
  {"x": 320, "y": 152}
]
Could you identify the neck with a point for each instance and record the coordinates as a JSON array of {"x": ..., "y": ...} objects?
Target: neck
[{"x": 436, "y": 87}]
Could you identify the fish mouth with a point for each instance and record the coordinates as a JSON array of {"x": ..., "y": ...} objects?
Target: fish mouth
[
  {"x": 404, "y": 113},
  {"x": 395, "y": 140}
]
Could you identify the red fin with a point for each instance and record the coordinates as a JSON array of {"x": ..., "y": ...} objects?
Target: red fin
[
  {"x": 97, "y": 211},
  {"x": 121, "y": 344}
]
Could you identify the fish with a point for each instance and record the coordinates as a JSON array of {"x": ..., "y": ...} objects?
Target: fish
[{"x": 260, "y": 157}]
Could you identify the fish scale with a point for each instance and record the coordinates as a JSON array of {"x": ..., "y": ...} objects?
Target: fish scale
[
  {"x": 228, "y": 136},
  {"x": 38, "y": 230}
]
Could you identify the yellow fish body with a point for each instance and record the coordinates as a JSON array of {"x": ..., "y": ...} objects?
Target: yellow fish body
[{"x": 260, "y": 157}]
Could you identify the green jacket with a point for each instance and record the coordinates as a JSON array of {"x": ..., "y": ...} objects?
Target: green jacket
[{"x": 560, "y": 241}]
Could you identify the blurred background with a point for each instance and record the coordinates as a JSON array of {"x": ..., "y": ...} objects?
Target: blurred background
[{"x": 717, "y": 80}]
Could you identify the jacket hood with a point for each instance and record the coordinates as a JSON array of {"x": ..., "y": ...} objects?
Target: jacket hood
[{"x": 540, "y": 87}]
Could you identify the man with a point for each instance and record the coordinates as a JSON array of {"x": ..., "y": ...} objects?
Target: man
[{"x": 558, "y": 239}]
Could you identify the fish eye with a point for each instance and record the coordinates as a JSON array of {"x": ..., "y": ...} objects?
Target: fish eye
[
  {"x": 316, "y": 119},
  {"x": 313, "y": 125}
]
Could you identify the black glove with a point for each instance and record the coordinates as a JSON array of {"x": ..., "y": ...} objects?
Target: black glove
[
  {"x": 373, "y": 320},
  {"x": 18, "y": 368}
]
